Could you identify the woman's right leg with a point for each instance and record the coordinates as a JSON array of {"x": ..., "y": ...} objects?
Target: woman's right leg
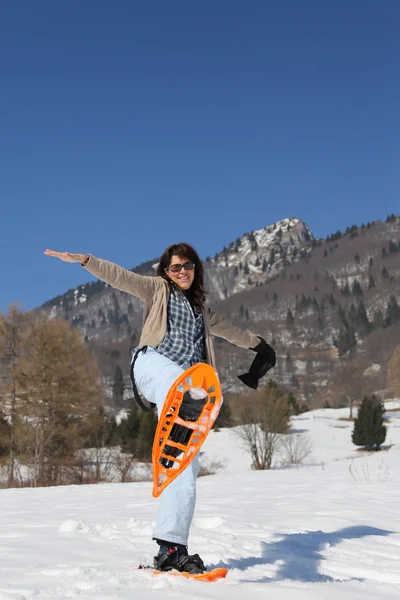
[{"x": 154, "y": 375}]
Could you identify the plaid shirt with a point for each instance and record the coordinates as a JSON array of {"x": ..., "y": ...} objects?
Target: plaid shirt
[{"x": 184, "y": 340}]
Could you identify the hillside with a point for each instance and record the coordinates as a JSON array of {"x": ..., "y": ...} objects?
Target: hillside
[{"x": 317, "y": 301}]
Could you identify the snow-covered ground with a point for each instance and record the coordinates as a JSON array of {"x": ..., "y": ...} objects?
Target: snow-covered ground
[{"x": 327, "y": 529}]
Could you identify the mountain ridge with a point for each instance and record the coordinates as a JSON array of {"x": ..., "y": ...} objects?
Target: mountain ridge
[{"x": 301, "y": 293}]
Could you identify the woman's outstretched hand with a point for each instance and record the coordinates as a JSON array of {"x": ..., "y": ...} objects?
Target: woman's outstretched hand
[{"x": 66, "y": 256}]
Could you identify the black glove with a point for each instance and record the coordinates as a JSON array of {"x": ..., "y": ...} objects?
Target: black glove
[{"x": 264, "y": 361}]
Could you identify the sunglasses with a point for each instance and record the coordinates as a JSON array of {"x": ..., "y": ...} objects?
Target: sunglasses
[{"x": 188, "y": 266}]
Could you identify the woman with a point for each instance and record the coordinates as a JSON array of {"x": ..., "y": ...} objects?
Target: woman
[{"x": 177, "y": 332}]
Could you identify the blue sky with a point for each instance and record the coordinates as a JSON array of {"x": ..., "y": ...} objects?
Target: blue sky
[{"x": 126, "y": 126}]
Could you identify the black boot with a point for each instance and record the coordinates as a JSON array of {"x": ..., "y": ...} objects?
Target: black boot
[
  {"x": 190, "y": 410},
  {"x": 175, "y": 556},
  {"x": 192, "y": 404}
]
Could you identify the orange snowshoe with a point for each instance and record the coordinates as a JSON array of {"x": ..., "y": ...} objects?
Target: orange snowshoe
[{"x": 184, "y": 423}]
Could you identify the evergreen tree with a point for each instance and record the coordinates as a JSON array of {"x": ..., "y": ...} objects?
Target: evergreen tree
[
  {"x": 118, "y": 386},
  {"x": 345, "y": 340},
  {"x": 289, "y": 318},
  {"x": 264, "y": 265},
  {"x": 353, "y": 313},
  {"x": 342, "y": 314},
  {"x": 378, "y": 320},
  {"x": 371, "y": 282},
  {"x": 369, "y": 430},
  {"x": 145, "y": 437},
  {"x": 364, "y": 326},
  {"x": 293, "y": 406},
  {"x": 103, "y": 430},
  {"x": 314, "y": 303},
  {"x": 345, "y": 290},
  {"x": 336, "y": 236},
  {"x": 128, "y": 430},
  {"x": 385, "y": 273},
  {"x": 359, "y": 319},
  {"x": 303, "y": 302},
  {"x": 392, "y": 312},
  {"x": 224, "y": 418},
  {"x": 356, "y": 289}
]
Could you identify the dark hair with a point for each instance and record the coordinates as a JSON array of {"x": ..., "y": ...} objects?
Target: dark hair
[{"x": 184, "y": 250}]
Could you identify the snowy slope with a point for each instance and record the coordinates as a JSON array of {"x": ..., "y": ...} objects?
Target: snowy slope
[{"x": 317, "y": 531}]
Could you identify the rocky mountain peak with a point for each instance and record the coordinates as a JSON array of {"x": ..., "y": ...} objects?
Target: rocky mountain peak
[{"x": 257, "y": 257}]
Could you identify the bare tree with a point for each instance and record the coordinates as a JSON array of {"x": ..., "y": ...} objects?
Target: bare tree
[
  {"x": 13, "y": 380},
  {"x": 350, "y": 383},
  {"x": 4, "y": 436},
  {"x": 99, "y": 453},
  {"x": 295, "y": 448},
  {"x": 124, "y": 464},
  {"x": 393, "y": 373},
  {"x": 61, "y": 406},
  {"x": 264, "y": 416}
]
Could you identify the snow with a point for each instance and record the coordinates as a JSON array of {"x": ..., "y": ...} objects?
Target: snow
[
  {"x": 324, "y": 529},
  {"x": 373, "y": 369}
]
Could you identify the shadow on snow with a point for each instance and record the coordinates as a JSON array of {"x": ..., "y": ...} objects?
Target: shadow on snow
[{"x": 300, "y": 554}]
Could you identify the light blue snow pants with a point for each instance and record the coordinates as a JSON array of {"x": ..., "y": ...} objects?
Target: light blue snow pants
[{"x": 154, "y": 374}]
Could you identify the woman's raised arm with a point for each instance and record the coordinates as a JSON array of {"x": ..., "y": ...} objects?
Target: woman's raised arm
[
  {"x": 143, "y": 286},
  {"x": 66, "y": 256}
]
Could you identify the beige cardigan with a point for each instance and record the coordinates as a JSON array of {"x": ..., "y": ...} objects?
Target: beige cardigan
[{"x": 154, "y": 292}]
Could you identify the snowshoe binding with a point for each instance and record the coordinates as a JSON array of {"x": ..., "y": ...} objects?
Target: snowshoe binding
[
  {"x": 175, "y": 556},
  {"x": 192, "y": 405}
]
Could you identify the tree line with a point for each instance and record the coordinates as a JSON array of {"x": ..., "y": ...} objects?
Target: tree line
[{"x": 52, "y": 406}]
